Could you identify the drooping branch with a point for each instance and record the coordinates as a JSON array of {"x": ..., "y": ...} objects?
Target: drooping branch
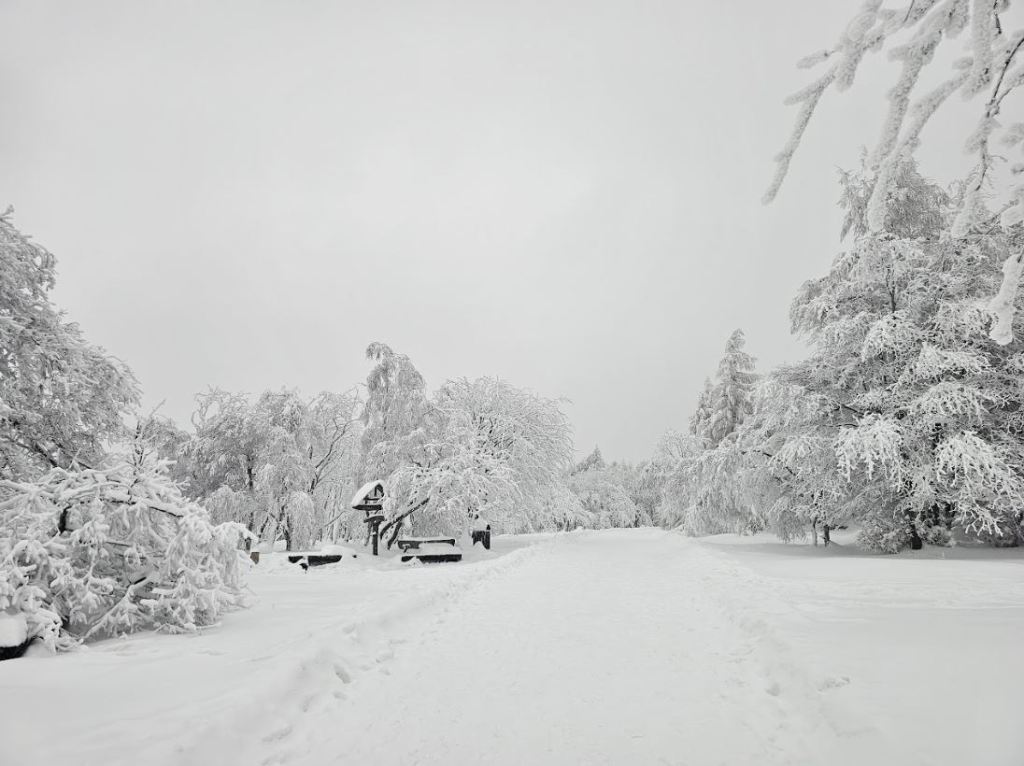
[{"x": 400, "y": 517}]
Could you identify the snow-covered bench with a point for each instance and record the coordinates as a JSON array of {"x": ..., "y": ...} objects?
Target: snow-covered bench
[
  {"x": 429, "y": 549},
  {"x": 307, "y": 560},
  {"x": 329, "y": 554},
  {"x": 14, "y": 637}
]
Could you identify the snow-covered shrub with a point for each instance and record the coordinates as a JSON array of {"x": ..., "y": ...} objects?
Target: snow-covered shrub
[
  {"x": 937, "y": 534},
  {"x": 88, "y": 553},
  {"x": 885, "y": 533}
]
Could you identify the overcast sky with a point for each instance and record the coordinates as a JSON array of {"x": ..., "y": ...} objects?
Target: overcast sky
[{"x": 565, "y": 195}]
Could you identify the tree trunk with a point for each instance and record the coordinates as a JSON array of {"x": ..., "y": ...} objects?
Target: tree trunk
[{"x": 916, "y": 543}]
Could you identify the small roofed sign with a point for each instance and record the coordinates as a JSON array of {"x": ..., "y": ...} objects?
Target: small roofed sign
[{"x": 369, "y": 497}]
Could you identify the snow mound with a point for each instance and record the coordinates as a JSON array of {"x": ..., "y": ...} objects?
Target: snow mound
[
  {"x": 337, "y": 550},
  {"x": 13, "y": 629}
]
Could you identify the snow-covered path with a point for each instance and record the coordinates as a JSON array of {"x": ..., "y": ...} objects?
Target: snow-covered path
[
  {"x": 617, "y": 647},
  {"x": 602, "y": 649}
]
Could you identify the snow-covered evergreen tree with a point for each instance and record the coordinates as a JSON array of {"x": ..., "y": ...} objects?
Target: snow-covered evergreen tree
[
  {"x": 905, "y": 418},
  {"x": 700, "y": 420},
  {"x": 730, "y": 397},
  {"x": 592, "y": 461},
  {"x": 692, "y": 498}
]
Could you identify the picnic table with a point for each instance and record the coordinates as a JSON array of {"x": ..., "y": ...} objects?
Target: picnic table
[
  {"x": 430, "y": 550},
  {"x": 307, "y": 560},
  {"x": 331, "y": 554}
]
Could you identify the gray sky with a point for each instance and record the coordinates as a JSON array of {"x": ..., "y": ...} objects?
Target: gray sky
[{"x": 562, "y": 194}]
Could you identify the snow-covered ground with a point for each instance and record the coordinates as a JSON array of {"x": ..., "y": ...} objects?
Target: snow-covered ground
[{"x": 625, "y": 646}]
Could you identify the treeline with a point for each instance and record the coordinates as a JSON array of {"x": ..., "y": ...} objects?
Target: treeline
[
  {"x": 95, "y": 537},
  {"x": 113, "y": 519}
]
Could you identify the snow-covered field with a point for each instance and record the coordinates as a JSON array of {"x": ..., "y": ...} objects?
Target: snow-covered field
[{"x": 617, "y": 647}]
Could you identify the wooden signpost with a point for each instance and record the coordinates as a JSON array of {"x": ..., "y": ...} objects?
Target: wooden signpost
[{"x": 370, "y": 499}]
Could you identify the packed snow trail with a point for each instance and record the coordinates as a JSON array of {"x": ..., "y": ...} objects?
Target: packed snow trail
[
  {"x": 604, "y": 648},
  {"x": 621, "y": 646}
]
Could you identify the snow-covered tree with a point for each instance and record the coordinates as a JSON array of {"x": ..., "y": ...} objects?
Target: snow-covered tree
[
  {"x": 642, "y": 483},
  {"x": 592, "y": 461},
  {"x": 393, "y": 415},
  {"x": 696, "y": 495},
  {"x": 61, "y": 398},
  {"x": 730, "y": 397},
  {"x": 486, "y": 449},
  {"x": 700, "y": 420},
  {"x": 93, "y": 552},
  {"x": 606, "y": 500},
  {"x": 988, "y": 71},
  {"x": 563, "y": 510},
  {"x": 282, "y": 465},
  {"x": 700, "y": 494},
  {"x": 905, "y": 417}
]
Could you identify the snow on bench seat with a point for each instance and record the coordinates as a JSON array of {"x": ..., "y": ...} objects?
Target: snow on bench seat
[{"x": 432, "y": 551}]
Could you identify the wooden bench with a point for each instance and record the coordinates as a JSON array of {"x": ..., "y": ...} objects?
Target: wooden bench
[
  {"x": 429, "y": 550},
  {"x": 307, "y": 560},
  {"x": 413, "y": 543}
]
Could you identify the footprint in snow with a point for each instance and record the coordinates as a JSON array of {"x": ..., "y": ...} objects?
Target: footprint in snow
[
  {"x": 343, "y": 675},
  {"x": 833, "y": 682},
  {"x": 278, "y": 734}
]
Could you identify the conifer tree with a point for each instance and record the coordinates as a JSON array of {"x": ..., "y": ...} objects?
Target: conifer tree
[
  {"x": 905, "y": 416},
  {"x": 731, "y": 395}
]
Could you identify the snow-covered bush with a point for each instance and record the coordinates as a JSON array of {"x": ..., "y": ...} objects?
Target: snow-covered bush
[
  {"x": 88, "y": 553},
  {"x": 884, "y": 533},
  {"x": 937, "y": 534}
]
